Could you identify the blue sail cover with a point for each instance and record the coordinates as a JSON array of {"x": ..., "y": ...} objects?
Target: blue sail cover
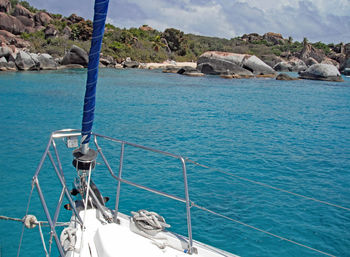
[{"x": 101, "y": 8}]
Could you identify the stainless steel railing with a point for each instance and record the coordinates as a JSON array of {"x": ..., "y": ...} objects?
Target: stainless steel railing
[{"x": 56, "y": 163}]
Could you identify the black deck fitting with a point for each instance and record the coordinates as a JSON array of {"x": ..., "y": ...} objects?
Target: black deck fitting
[{"x": 84, "y": 160}]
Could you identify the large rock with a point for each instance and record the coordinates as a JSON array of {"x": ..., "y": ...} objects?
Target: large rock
[
  {"x": 5, "y": 6},
  {"x": 146, "y": 28},
  {"x": 75, "y": 18},
  {"x": 310, "y": 51},
  {"x": 6, "y": 35},
  {"x": 5, "y": 51},
  {"x": 257, "y": 66},
  {"x": 310, "y": 61},
  {"x": 171, "y": 69},
  {"x": 216, "y": 63},
  {"x": 190, "y": 71},
  {"x": 3, "y": 64},
  {"x": 36, "y": 61},
  {"x": 67, "y": 31},
  {"x": 347, "y": 50},
  {"x": 271, "y": 59},
  {"x": 251, "y": 37},
  {"x": 275, "y": 38},
  {"x": 297, "y": 65},
  {"x": 42, "y": 18},
  {"x": 213, "y": 66},
  {"x": 283, "y": 66},
  {"x": 346, "y": 67},
  {"x": 330, "y": 61},
  {"x": 131, "y": 64},
  {"x": 76, "y": 55},
  {"x": 321, "y": 72},
  {"x": 24, "y": 61},
  {"x": 20, "y": 43},
  {"x": 50, "y": 31},
  {"x": 22, "y": 11},
  {"x": 47, "y": 62},
  {"x": 11, "y": 24},
  {"x": 27, "y": 22},
  {"x": 11, "y": 66},
  {"x": 283, "y": 76}
]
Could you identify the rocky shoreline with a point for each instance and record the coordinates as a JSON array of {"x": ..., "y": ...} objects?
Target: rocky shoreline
[
  {"x": 227, "y": 65},
  {"x": 18, "y": 24}
]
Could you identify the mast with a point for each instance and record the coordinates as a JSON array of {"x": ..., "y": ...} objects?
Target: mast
[{"x": 100, "y": 14}]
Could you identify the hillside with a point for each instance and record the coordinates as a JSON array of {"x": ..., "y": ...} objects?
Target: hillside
[{"x": 25, "y": 27}]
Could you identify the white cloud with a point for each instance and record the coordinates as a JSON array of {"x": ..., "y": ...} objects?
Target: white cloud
[{"x": 325, "y": 20}]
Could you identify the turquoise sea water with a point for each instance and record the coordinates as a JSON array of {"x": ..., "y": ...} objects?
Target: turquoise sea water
[{"x": 294, "y": 135}]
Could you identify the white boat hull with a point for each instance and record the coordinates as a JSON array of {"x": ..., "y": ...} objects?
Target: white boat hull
[{"x": 101, "y": 239}]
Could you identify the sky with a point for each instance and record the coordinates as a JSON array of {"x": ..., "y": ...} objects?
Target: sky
[{"x": 317, "y": 20}]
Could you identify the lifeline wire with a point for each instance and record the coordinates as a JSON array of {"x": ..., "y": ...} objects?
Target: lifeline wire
[
  {"x": 28, "y": 203},
  {"x": 268, "y": 186},
  {"x": 261, "y": 230}
]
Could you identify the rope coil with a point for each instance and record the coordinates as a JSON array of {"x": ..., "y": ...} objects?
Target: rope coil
[
  {"x": 149, "y": 222},
  {"x": 29, "y": 221}
]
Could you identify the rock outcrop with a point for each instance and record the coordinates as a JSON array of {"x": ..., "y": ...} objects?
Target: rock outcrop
[
  {"x": 283, "y": 76},
  {"x": 294, "y": 65},
  {"x": 216, "y": 63},
  {"x": 50, "y": 31},
  {"x": 214, "y": 66},
  {"x": 310, "y": 51},
  {"x": 271, "y": 59},
  {"x": 46, "y": 62},
  {"x": 3, "y": 64},
  {"x": 330, "y": 61},
  {"x": 189, "y": 71},
  {"x": 257, "y": 66},
  {"x": 131, "y": 64},
  {"x": 5, "y": 51},
  {"x": 66, "y": 33},
  {"x": 310, "y": 61},
  {"x": 275, "y": 38},
  {"x": 76, "y": 55},
  {"x": 25, "y": 62},
  {"x": 283, "y": 66},
  {"x": 171, "y": 69},
  {"x": 42, "y": 19},
  {"x": 22, "y": 11},
  {"x": 346, "y": 67},
  {"x": 325, "y": 72},
  {"x": 75, "y": 18},
  {"x": 5, "y": 6},
  {"x": 11, "y": 24},
  {"x": 146, "y": 28}
]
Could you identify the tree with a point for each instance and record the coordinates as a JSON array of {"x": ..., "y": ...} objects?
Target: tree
[
  {"x": 305, "y": 41},
  {"x": 174, "y": 37}
]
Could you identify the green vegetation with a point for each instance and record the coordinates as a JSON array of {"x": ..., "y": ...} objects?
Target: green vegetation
[
  {"x": 147, "y": 45},
  {"x": 322, "y": 46},
  {"x": 26, "y": 5}
]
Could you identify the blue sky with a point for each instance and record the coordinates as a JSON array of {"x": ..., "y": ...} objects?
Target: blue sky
[{"x": 318, "y": 20}]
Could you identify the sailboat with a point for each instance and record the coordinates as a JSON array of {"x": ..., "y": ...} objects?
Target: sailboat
[{"x": 94, "y": 230}]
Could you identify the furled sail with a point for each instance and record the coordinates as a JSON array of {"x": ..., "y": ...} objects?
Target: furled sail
[{"x": 100, "y": 14}]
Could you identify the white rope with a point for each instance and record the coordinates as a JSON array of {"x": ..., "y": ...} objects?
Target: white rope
[
  {"x": 43, "y": 241},
  {"x": 261, "y": 230},
  {"x": 269, "y": 186},
  {"x": 30, "y": 221},
  {"x": 149, "y": 222},
  {"x": 85, "y": 208}
]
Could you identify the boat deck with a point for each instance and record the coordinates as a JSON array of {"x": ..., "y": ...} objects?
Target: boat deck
[{"x": 110, "y": 239}]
